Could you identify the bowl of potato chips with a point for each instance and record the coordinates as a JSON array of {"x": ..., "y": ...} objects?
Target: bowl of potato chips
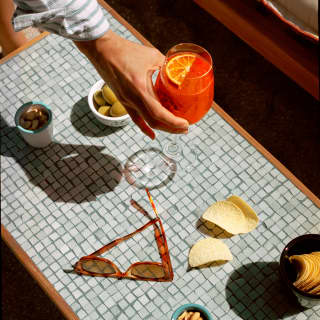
[
  {"x": 106, "y": 107},
  {"x": 300, "y": 269}
]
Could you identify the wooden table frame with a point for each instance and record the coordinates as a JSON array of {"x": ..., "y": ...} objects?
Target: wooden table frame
[
  {"x": 26, "y": 260},
  {"x": 293, "y": 55}
]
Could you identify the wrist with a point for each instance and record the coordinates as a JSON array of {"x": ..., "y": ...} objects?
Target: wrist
[{"x": 93, "y": 48}]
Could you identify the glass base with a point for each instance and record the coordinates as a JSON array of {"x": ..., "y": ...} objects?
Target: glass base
[
  {"x": 172, "y": 149},
  {"x": 150, "y": 167},
  {"x": 181, "y": 148}
]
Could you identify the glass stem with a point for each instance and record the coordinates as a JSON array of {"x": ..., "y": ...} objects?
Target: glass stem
[
  {"x": 175, "y": 142},
  {"x": 173, "y": 149}
]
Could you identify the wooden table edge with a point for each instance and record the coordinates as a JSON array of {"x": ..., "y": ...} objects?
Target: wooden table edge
[
  {"x": 33, "y": 270},
  {"x": 24, "y": 46},
  {"x": 26, "y": 260},
  {"x": 287, "y": 173}
]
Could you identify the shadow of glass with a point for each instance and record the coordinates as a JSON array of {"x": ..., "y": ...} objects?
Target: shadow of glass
[
  {"x": 85, "y": 122},
  {"x": 255, "y": 291},
  {"x": 65, "y": 172},
  {"x": 210, "y": 229}
]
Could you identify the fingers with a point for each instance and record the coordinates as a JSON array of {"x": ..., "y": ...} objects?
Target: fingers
[
  {"x": 131, "y": 79},
  {"x": 160, "y": 113},
  {"x": 158, "y": 125},
  {"x": 148, "y": 113},
  {"x": 146, "y": 124},
  {"x": 137, "y": 119}
]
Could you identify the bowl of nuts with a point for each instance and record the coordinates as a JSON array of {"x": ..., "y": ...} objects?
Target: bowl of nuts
[
  {"x": 106, "y": 107},
  {"x": 191, "y": 311},
  {"x": 34, "y": 122}
]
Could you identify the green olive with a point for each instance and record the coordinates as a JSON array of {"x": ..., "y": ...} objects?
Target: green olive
[
  {"x": 104, "y": 110},
  {"x": 98, "y": 98},
  {"x": 109, "y": 95},
  {"x": 118, "y": 110}
]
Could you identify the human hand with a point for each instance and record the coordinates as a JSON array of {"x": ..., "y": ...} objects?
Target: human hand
[{"x": 128, "y": 69}]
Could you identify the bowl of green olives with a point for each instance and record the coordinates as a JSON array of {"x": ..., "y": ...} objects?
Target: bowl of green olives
[{"x": 106, "y": 107}]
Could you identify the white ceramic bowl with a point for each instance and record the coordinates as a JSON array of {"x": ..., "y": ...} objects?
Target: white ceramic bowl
[{"x": 108, "y": 121}]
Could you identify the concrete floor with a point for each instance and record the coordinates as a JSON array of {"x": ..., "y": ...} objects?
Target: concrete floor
[{"x": 272, "y": 108}]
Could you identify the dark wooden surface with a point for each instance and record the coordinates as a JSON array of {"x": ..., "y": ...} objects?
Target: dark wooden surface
[{"x": 292, "y": 53}]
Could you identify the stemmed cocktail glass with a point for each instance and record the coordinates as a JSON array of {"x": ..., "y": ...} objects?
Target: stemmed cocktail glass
[{"x": 185, "y": 86}]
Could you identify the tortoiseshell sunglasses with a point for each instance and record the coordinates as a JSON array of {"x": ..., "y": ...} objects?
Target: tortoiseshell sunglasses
[{"x": 92, "y": 265}]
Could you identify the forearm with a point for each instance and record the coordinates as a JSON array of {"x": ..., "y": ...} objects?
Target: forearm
[
  {"x": 106, "y": 52},
  {"x": 9, "y": 39},
  {"x": 101, "y": 53},
  {"x": 97, "y": 51},
  {"x": 118, "y": 61}
]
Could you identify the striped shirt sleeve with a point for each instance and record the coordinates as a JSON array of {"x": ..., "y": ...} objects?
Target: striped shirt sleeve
[{"x": 79, "y": 20}]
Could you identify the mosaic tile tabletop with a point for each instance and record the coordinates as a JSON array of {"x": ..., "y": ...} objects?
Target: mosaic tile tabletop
[{"x": 69, "y": 199}]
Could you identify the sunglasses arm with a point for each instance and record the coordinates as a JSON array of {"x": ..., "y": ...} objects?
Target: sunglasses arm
[
  {"x": 163, "y": 249},
  {"x": 119, "y": 240}
]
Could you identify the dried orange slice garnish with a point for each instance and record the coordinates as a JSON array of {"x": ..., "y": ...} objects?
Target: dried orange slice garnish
[{"x": 178, "y": 67}]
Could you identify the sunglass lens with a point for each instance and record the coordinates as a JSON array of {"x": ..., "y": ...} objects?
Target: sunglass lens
[
  {"x": 98, "y": 266},
  {"x": 148, "y": 271}
]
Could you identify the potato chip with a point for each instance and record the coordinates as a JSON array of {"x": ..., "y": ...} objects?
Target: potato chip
[
  {"x": 249, "y": 214},
  {"x": 227, "y": 216},
  {"x": 208, "y": 250},
  {"x": 315, "y": 290},
  {"x": 308, "y": 272}
]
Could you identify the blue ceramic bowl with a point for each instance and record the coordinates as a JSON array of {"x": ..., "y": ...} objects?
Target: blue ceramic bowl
[{"x": 192, "y": 307}]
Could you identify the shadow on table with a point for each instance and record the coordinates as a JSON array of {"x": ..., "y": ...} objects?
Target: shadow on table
[
  {"x": 210, "y": 229},
  {"x": 65, "y": 172},
  {"x": 215, "y": 264},
  {"x": 255, "y": 291},
  {"x": 85, "y": 122}
]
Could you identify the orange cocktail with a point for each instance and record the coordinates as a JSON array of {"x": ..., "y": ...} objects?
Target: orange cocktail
[{"x": 185, "y": 82}]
